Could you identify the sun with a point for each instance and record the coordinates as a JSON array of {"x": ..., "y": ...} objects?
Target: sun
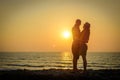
[{"x": 66, "y": 34}]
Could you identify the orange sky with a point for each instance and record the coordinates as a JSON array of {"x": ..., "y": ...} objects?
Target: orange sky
[{"x": 38, "y": 25}]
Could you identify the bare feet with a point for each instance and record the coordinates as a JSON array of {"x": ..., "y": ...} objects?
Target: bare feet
[
  {"x": 84, "y": 71},
  {"x": 75, "y": 70}
]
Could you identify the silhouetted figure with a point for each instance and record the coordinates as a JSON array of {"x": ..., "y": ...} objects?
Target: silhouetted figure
[
  {"x": 75, "y": 44},
  {"x": 84, "y": 38},
  {"x": 79, "y": 46}
]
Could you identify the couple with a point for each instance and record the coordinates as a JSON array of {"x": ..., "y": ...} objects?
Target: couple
[{"x": 79, "y": 46}]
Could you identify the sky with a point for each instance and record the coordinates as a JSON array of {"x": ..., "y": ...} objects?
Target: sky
[{"x": 37, "y": 25}]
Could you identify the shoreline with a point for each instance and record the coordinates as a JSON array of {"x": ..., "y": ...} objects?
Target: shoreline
[{"x": 60, "y": 74}]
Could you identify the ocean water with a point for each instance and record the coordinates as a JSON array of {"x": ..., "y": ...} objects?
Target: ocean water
[{"x": 57, "y": 60}]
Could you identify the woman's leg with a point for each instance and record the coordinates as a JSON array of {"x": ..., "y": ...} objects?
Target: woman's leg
[
  {"x": 84, "y": 62},
  {"x": 84, "y": 53}
]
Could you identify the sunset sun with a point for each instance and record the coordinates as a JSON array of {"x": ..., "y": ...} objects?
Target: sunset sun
[{"x": 66, "y": 34}]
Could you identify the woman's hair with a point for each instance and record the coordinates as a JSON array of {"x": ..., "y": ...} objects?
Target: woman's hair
[
  {"x": 84, "y": 36},
  {"x": 86, "y": 25}
]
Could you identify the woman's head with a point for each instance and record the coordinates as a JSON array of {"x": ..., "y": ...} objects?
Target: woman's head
[{"x": 86, "y": 25}]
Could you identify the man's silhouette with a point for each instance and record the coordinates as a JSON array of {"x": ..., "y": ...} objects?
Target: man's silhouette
[{"x": 75, "y": 44}]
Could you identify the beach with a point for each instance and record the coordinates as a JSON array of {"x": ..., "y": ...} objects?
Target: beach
[{"x": 60, "y": 74}]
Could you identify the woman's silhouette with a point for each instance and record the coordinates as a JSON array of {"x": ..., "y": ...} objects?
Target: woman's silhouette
[{"x": 84, "y": 37}]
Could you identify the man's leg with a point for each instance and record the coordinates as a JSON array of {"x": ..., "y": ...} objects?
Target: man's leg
[
  {"x": 75, "y": 63},
  {"x": 75, "y": 56}
]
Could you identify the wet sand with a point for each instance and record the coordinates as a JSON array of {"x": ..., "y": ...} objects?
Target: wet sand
[{"x": 60, "y": 74}]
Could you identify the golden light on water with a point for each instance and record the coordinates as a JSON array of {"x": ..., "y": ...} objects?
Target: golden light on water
[{"x": 66, "y": 57}]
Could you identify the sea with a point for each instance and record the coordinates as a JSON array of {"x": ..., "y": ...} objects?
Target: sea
[{"x": 57, "y": 60}]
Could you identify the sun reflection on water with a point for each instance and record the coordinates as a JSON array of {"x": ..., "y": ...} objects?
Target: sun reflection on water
[{"x": 67, "y": 60}]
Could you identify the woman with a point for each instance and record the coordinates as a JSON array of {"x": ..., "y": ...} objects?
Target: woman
[{"x": 84, "y": 38}]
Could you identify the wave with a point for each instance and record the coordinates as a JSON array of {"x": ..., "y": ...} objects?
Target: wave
[
  {"x": 62, "y": 62},
  {"x": 25, "y": 65},
  {"x": 41, "y": 66}
]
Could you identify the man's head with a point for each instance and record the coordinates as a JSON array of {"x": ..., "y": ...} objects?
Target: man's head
[{"x": 78, "y": 22}]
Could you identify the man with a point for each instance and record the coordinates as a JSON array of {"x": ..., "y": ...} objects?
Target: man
[{"x": 75, "y": 44}]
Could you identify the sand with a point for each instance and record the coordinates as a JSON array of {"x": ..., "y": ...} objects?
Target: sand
[{"x": 60, "y": 74}]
